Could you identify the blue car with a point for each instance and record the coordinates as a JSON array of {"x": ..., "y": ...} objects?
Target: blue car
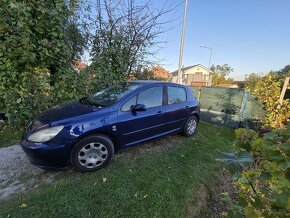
[{"x": 86, "y": 133}]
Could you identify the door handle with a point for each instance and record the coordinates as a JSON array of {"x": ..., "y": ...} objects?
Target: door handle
[{"x": 159, "y": 113}]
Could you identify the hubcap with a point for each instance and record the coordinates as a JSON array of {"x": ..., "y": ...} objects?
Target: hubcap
[
  {"x": 92, "y": 155},
  {"x": 191, "y": 126}
]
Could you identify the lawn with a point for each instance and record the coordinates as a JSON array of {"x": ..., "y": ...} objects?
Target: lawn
[
  {"x": 156, "y": 179},
  {"x": 8, "y": 136}
]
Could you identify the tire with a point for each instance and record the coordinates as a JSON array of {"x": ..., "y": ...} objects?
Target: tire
[
  {"x": 190, "y": 131},
  {"x": 92, "y": 153}
]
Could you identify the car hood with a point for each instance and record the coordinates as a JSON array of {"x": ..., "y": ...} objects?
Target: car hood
[{"x": 63, "y": 112}]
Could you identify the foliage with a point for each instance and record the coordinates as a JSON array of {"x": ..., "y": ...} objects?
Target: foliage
[
  {"x": 124, "y": 39},
  {"x": 220, "y": 73},
  {"x": 39, "y": 40},
  {"x": 281, "y": 74},
  {"x": 264, "y": 186},
  {"x": 251, "y": 82},
  {"x": 268, "y": 91},
  {"x": 35, "y": 58},
  {"x": 147, "y": 74},
  {"x": 244, "y": 138}
]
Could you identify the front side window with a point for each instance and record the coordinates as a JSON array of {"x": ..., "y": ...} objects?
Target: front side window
[
  {"x": 128, "y": 105},
  {"x": 176, "y": 95},
  {"x": 151, "y": 97}
]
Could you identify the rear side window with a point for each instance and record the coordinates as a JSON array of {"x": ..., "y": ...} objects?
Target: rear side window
[
  {"x": 151, "y": 97},
  {"x": 127, "y": 106},
  {"x": 176, "y": 95}
]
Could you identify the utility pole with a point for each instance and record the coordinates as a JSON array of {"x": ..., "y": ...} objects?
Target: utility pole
[{"x": 179, "y": 76}]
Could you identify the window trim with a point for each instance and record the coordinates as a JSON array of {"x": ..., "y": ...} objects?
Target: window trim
[
  {"x": 175, "y": 87},
  {"x": 127, "y": 101},
  {"x": 137, "y": 96},
  {"x": 161, "y": 86}
]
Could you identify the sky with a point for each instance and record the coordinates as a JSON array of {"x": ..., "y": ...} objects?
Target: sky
[{"x": 252, "y": 36}]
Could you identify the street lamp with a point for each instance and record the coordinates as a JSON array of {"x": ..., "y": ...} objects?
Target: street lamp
[{"x": 203, "y": 46}]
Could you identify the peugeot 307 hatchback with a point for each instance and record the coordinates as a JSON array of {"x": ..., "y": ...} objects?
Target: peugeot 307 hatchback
[{"x": 86, "y": 133}]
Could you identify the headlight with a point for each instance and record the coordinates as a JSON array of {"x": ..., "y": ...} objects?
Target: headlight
[{"x": 45, "y": 134}]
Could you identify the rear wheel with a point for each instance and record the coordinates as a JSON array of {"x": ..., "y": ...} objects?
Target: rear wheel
[
  {"x": 92, "y": 153},
  {"x": 190, "y": 126}
]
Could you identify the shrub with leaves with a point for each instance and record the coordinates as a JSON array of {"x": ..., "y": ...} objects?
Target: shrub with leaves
[
  {"x": 268, "y": 91},
  {"x": 35, "y": 58},
  {"x": 244, "y": 137},
  {"x": 262, "y": 174}
]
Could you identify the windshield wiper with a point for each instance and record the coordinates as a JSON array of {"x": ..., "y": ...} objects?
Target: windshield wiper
[{"x": 85, "y": 100}]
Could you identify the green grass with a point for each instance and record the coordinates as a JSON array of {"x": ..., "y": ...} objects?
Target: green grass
[
  {"x": 8, "y": 136},
  {"x": 144, "y": 183}
]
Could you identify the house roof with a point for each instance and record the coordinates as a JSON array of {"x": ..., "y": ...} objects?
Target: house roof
[
  {"x": 187, "y": 68},
  {"x": 161, "y": 72},
  {"x": 79, "y": 65}
]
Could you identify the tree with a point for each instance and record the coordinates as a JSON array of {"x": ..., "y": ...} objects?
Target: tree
[
  {"x": 156, "y": 73},
  {"x": 251, "y": 82},
  {"x": 35, "y": 57},
  {"x": 78, "y": 27},
  {"x": 285, "y": 71},
  {"x": 268, "y": 91},
  {"x": 124, "y": 39},
  {"x": 220, "y": 73}
]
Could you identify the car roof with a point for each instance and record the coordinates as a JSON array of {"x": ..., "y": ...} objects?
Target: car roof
[{"x": 147, "y": 82}]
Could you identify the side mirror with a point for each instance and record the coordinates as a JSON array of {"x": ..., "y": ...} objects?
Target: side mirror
[{"x": 138, "y": 107}]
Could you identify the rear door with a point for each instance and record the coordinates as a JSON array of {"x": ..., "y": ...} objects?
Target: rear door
[
  {"x": 137, "y": 126},
  {"x": 177, "y": 108}
]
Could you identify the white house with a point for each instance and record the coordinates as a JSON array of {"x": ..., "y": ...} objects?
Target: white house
[{"x": 196, "y": 75}]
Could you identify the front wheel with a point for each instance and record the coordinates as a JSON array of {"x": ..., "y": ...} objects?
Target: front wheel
[
  {"x": 92, "y": 153},
  {"x": 190, "y": 126}
]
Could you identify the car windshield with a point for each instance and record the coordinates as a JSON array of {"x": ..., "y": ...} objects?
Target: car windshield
[{"x": 111, "y": 95}]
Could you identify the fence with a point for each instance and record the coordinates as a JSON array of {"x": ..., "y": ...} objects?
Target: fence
[{"x": 229, "y": 107}]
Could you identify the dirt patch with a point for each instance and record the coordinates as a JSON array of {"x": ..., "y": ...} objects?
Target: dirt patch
[
  {"x": 216, "y": 206},
  {"x": 17, "y": 175},
  {"x": 208, "y": 202},
  {"x": 196, "y": 206}
]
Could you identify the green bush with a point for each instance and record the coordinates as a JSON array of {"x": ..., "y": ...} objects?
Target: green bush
[
  {"x": 36, "y": 58},
  {"x": 262, "y": 174},
  {"x": 244, "y": 138},
  {"x": 33, "y": 93},
  {"x": 268, "y": 90}
]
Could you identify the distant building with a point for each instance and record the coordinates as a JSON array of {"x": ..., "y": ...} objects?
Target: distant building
[
  {"x": 235, "y": 86},
  {"x": 196, "y": 75},
  {"x": 78, "y": 65},
  {"x": 159, "y": 72}
]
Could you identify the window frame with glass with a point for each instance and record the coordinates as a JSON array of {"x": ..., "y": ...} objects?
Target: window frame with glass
[
  {"x": 137, "y": 98},
  {"x": 178, "y": 87}
]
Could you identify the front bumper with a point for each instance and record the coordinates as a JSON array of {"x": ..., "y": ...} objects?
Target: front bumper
[{"x": 47, "y": 156}]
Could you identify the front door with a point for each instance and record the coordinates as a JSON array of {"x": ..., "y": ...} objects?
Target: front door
[{"x": 138, "y": 126}]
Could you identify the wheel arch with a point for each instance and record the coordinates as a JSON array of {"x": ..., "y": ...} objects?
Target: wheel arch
[
  {"x": 196, "y": 115},
  {"x": 98, "y": 132}
]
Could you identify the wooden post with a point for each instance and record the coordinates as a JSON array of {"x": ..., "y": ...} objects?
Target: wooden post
[
  {"x": 284, "y": 90},
  {"x": 199, "y": 92}
]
